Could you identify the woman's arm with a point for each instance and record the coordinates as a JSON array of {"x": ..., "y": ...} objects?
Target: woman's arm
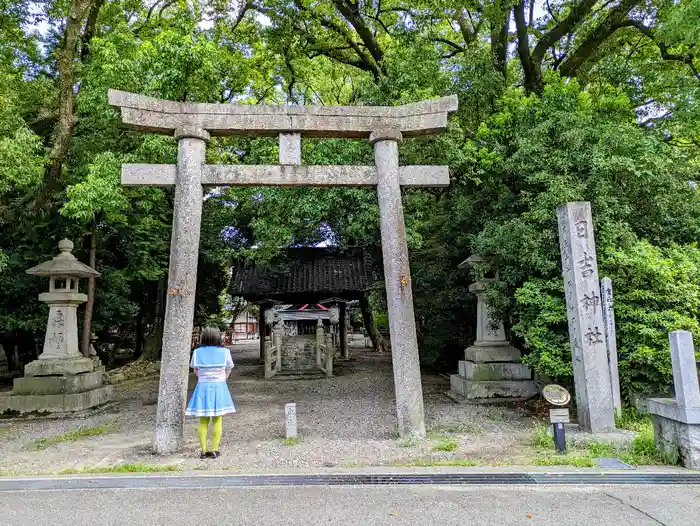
[{"x": 229, "y": 363}]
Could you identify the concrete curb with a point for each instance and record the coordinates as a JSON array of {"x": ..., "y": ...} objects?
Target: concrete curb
[{"x": 209, "y": 481}]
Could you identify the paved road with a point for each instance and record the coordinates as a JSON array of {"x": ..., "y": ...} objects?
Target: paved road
[{"x": 353, "y": 505}]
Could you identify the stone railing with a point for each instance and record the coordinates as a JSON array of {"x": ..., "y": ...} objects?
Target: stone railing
[
  {"x": 273, "y": 358},
  {"x": 273, "y": 351},
  {"x": 677, "y": 420}
]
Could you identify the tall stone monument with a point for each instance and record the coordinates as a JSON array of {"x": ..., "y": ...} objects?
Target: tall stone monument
[
  {"x": 491, "y": 369},
  {"x": 192, "y": 125},
  {"x": 594, "y": 399},
  {"x": 61, "y": 379}
]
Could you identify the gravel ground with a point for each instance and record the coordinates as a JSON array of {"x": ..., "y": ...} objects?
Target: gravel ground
[{"x": 345, "y": 421}]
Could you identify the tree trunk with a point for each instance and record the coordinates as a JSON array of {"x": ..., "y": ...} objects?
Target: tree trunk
[
  {"x": 532, "y": 69},
  {"x": 90, "y": 305},
  {"x": 140, "y": 334},
  {"x": 154, "y": 340},
  {"x": 68, "y": 56},
  {"x": 499, "y": 46},
  {"x": 378, "y": 343}
]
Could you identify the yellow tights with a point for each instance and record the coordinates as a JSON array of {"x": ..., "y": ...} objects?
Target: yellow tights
[{"x": 216, "y": 429}]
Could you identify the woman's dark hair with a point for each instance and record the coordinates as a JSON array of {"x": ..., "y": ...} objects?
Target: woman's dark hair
[{"x": 211, "y": 336}]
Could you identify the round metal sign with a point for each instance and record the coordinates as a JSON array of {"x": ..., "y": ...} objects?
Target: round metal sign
[{"x": 556, "y": 394}]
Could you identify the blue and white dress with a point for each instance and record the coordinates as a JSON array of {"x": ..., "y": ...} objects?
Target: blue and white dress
[{"x": 211, "y": 397}]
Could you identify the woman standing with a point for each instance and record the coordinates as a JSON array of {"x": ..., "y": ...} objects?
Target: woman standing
[{"x": 211, "y": 398}]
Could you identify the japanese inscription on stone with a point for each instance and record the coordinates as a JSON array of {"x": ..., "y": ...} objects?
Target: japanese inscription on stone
[
  {"x": 56, "y": 340},
  {"x": 586, "y": 265},
  {"x": 593, "y": 336},
  {"x": 590, "y": 301},
  {"x": 584, "y": 308},
  {"x": 611, "y": 339},
  {"x": 58, "y": 320}
]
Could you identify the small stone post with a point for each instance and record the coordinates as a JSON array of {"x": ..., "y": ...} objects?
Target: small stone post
[
  {"x": 611, "y": 341},
  {"x": 594, "y": 399},
  {"x": 182, "y": 283},
  {"x": 397, "y": 279},
  {"x": 290, "y": 419}
]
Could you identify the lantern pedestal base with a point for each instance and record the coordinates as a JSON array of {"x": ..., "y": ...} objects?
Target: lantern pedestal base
[
  {"x": 59, "y": 385},
  {"x": 492, "y": 374},
  {"x": 59, "y": 367},
  {"x": 60, "y": 403},
  {"x": 50, "y": 385}
]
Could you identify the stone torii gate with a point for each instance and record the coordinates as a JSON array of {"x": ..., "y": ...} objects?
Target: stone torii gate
[{"x": 192, "y": 124}]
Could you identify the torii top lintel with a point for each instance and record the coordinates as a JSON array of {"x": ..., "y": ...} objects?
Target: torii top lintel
[{"x": 163, "y": 116}]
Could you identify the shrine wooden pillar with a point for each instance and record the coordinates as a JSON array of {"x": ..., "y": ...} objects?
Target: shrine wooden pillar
[
  {"x": 343, "y": 331},
  {"x": 262, "y": 330}
]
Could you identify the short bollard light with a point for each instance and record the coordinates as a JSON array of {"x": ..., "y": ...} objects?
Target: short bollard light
[{"x": 558, "y": 416}]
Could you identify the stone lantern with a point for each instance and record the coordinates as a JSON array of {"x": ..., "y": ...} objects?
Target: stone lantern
[
  {"x": 491, "y": 369},
  {"x": 61, "y": 379},
  {"x": 490, "y": 332}
]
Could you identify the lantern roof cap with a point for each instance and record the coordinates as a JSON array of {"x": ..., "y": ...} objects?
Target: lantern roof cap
[
  {"x": 63, "y": 265},
  {"x": 471, "y": 261}
]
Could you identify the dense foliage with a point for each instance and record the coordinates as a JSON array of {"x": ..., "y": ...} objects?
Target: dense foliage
[{"x": 559, "y": 100}]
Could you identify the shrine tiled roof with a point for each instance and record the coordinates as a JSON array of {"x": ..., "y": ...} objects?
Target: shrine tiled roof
[{"x": 303, "y": 273}]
